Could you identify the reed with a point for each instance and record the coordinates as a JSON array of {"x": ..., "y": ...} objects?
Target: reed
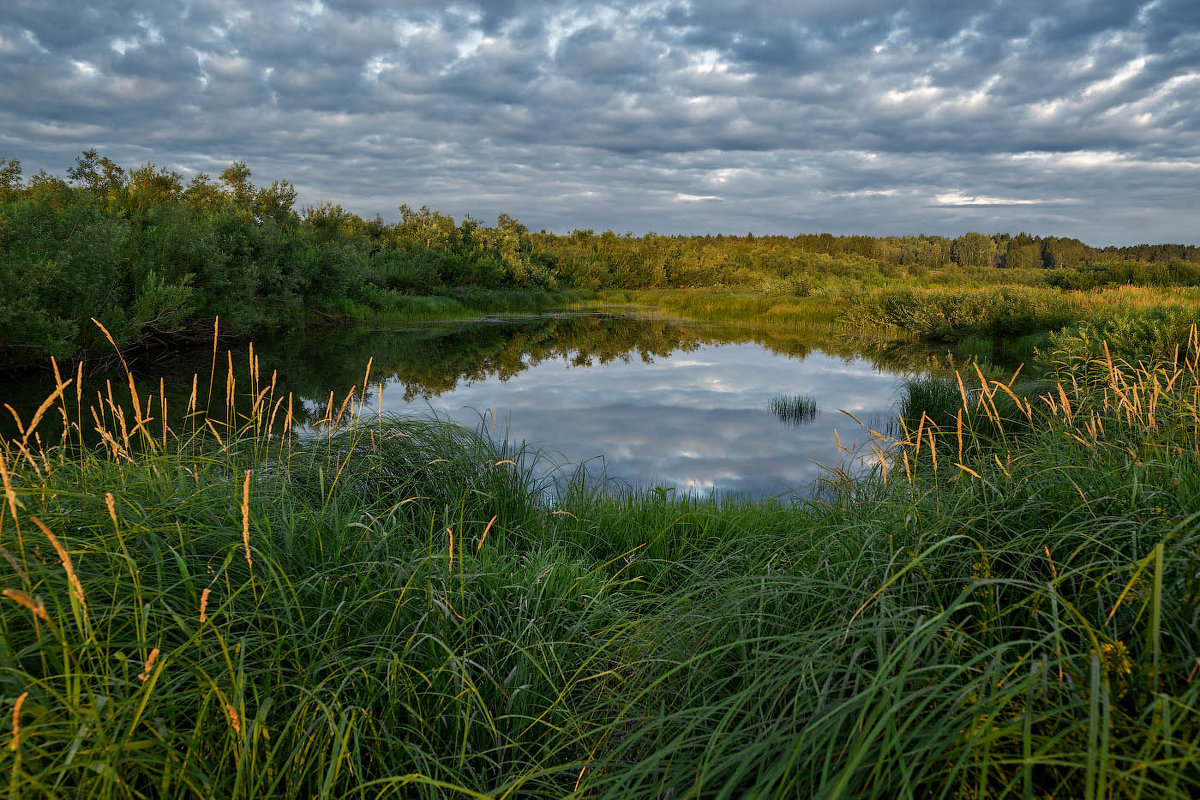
[
  {"x": 793, "y": 409},
  {"x": 1010, "y": 613}
]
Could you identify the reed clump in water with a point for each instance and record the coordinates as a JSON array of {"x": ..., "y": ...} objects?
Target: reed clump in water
[
  {"x": 794, "y": 409},
  {"x": 390, "y": 608}
]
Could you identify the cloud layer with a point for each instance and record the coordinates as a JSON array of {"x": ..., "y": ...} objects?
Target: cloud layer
[{"x": 863, "y": 116}]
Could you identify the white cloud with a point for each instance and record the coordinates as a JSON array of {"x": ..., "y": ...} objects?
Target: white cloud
[
  {"x": 958, "y": 198},
  {"x": 697, "y": 116},
  {"x": 1127, "y": 72}
]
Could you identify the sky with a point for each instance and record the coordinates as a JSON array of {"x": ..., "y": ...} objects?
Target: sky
[{"x": 1055, "y": 117}]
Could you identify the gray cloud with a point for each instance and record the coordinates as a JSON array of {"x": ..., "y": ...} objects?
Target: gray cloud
[{"x": 709, "y": 115}]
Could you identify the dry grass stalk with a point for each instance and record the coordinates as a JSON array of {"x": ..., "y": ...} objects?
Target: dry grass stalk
[
  {"x": 483, "y": 538},
  {"x": 76, "y": 586},
  {"x": 9, "y": 495},
  {"x": 1003, "y": 468},
  {"x": 162, "y": 404},
  {"x": 327, "y": 419},
  {"x": 271, "y": 398},
  {"x": 204, "y": 604},
  {"x": 191, "y": 406},
  {"x": 256, "y": 407},
  {"x": 209, "y": 423},
  {"x": 274, "y": 412},
  {"x": 43, "y": 408},
  {"x": 111, "y": 502},
  {"x": 133, "y": 393},
  {"x": 17, "y": 418},
  {"x": 16, "y": 722},
  {"x": 965, "y": 468},
  {"x": 246, "y": 520},
  {"x": 33, "y": 604},
  {"x": 1007, "y": 390},
  {"x": 119, "y": 416},
  {"x": 366, "y": 378},
  {"x": 230, "y": 389},
  {"x": 145, "y": 676},
  {"x": 107, "y": 438},
  {"x": 349, "y": 397},
  {"x": 12, "y": 561},
  {"x": 959, "y": 432}
]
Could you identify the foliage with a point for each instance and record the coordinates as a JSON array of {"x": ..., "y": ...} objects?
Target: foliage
[
  {"x": 1000, "y": 610},
  {"x": 155, "y": 261}
]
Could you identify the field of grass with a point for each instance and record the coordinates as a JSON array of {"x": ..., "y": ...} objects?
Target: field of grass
[
  {"x": 1007, "y": 606},
  {"x": 750, "y": 308},
  {"x": 977, "y": 320}
]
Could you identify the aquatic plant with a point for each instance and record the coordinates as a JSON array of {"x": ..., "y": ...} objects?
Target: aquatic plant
[{"x": 793, "y": 409}]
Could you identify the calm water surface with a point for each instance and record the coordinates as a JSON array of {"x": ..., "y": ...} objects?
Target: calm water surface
[
  {"x": 643, "y": 402},
  {"x": 633, "y": 400},
  {"x": 694, "y": 420}
]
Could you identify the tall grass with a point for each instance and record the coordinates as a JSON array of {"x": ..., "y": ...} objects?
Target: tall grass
[
  {"x": 398, "y": 608},
  {"x": 794, "y": 409}
]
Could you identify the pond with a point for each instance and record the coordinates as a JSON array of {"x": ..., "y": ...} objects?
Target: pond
[{"x": 624, "y": 400}]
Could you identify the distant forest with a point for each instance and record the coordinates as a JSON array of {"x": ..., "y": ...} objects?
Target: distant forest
[{"x": 155, "y": 259}]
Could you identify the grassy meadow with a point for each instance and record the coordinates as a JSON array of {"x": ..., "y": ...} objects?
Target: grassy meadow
[{"x": 1007, "y": 604}]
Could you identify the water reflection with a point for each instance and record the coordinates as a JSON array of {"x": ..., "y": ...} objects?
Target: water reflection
[
  {"x": 696, "y": 420},
  {"x": 640, "y": 401}
]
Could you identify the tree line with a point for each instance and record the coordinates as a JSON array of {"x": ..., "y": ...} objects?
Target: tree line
[{"x": 154, "y": 259}]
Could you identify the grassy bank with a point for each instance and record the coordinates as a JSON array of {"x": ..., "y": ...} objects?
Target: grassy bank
[
  {"x": 1010, "y": 324},
  {"x": 1135, "y": 321},
  {"x": 467, "y": 302},
  {"x": 1007, "y": 606},
  {"x": 749, "y": 308}
]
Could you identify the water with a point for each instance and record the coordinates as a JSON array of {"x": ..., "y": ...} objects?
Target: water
[
  {"x": 632, "y": 400},
  {"x": 642, "y": 402},
  {"x": 697, "y": 421}
]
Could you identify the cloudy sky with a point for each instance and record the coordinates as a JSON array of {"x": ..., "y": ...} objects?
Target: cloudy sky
[{"x": 1067, "y": 117}]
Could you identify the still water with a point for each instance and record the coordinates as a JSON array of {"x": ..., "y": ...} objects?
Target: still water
[
  {"x": 697, "y": 421},
  {"x": 633, "y": 401},
  {"x": 642, "y": 402}
]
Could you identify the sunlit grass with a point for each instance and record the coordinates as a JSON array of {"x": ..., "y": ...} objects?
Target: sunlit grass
[{"x": 1006, "y": 608}]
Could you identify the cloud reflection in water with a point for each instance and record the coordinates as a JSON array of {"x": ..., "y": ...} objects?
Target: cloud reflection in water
[{"x": 697, "y": 421}]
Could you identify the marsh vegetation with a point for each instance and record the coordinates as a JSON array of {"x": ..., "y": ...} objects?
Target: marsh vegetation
[
  {"x": 198, "y": 601},
  {"x": 794, "y": 409},
  {"x": 155, "y": 260},
  {"x": 1007, "y": 605}
]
